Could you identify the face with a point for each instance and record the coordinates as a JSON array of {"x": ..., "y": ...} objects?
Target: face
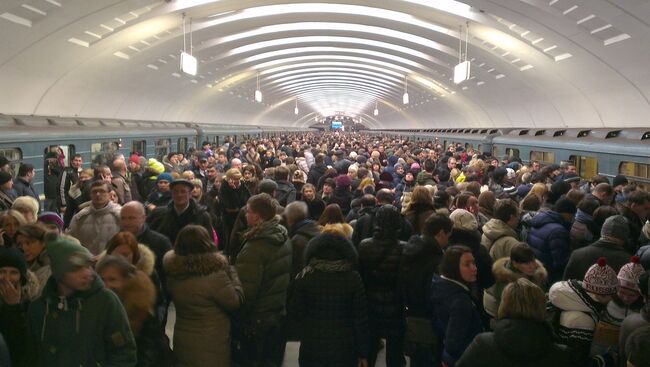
[
  {"x": 308, "y": 194},
  {"x": 112, "y": 278},
  {"x": 83, "y": 177},
  {"x": 571, "y": 169},
  {"x": 203, "y": 164},
  {"x": 28, "y": 214},
  {"x": 252, "y": 218},
  {"x": 107, "y": 175},
  {"x": 76, "y": 162},
  {"x": 99, "y": 196},
  {"x": 222, "y": 158},
  {"x": 181, "y": 195},
  {"x": 79, "y": 280},
  {"x": 248, "y": 175},
  {"x": 451, "y": 164},
  {"x": 399, "y": 170},
  {"x": 124, "y": 251},
  {"x": 472, "y": 205},
  {"x": 132, "y": 219},
  {"x": 197, "y": 192},
  {"x": 235, "y": 164},
  {"x": 642, "y": 210},
  {"x": 494, "y": 163},
  {"x": 8, "y": 185},
  {"x": 163, "y": 185},
  {"x": 234, "y": 182},
  {"x": 10, "y": 274},
  {"x": 31, "y": 247},
  {"x": 408, "y": 177},
  {"x": 468, "y": 268},
  {"x": 628, "y": 296},
  {"x": 212, "y": 173},
  {"x": 535, "y": 166},
  {"x": 442, "y": 238},
  {"x": 526, "y": 268},
  {"x": 327, "y": 189}
]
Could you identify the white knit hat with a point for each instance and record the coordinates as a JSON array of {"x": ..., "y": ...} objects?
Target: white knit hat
[
  {"x": 630, "y": 273},
  {"x": 463, "y": 219},
  {"x": 601, "y": 279}
]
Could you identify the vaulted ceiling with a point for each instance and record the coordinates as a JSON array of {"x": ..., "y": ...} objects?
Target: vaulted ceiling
[{"x": 534, "y": 63}]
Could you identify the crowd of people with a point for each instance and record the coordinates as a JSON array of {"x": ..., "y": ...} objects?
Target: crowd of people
[{"x": 348, "y": 243}]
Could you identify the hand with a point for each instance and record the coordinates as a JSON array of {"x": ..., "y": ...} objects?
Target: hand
[
  {"x": 362, "y": 362},
  {"x": 2, "y": 237},
  {"x": 10, "y": 294}
]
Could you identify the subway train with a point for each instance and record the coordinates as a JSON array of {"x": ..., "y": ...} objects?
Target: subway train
[
  {"x": 607, "y": 152},
  {"x": 26, "y": 139}
]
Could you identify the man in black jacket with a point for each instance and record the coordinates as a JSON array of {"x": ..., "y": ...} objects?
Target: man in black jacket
[
  {"x": 24, "y": 183},
  {"x": 364, "y": 227},
  {"x": 69, "y": 177},
  {"x": 317, "y": 170},
  {"x": 301, "y": 231}
]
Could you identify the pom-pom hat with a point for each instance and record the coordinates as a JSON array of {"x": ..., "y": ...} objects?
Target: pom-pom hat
[
  {"x": 630, "y": 273},
  {"x": 601, "y": 279}
]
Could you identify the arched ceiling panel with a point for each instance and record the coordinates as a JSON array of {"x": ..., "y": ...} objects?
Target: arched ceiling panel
[{"x": 533, "y": 62}]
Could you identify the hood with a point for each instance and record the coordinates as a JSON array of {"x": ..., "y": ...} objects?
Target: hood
[
  {"x": 471, "y": 239},
  {"x": 421, "y": 246},
  {"x": 139, "y": 299},
  {"x": 307, "y": 228},
  {"x": 330, "y": 247},
  {"x": 570, "y": 296},
  {"x": 340, "y": 229},
  {"x": 147, "y": 259},
  {"x": 443, "y": 289},
  {"x": 543, "y": 218},
  {"x": 504, "y": 272},
  {"x": 646, "y": 230},
  {"x": 270, "y": 231},
  {"x": 318, "y": 168},
  {"x": 496, "y": 228},
  {"x": 523, "y": 340},
  {"x": 193, "y": 265}
]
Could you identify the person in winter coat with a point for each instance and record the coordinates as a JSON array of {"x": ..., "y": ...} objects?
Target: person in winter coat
[
  {"x": 317, "y": 170},
  {"x": 77, "y": 321},
  {"x": 161, "y": 195},
  {"x": 7, "y": 195},
  {"x": 31, "y": 240},
  {"x": 315, "y": 205},
  {"x": 579, "y": 305},
  {"x": 205, "y": 290},
  {"x": 404, "y": 189},
  {"x": 24, "y": 182},
  {"x": 182, "y": 210},
  {"x": 636, "y": 210},
  {"x": 94, "y": 225},
  {"x": 635, "y": 320},
  {"x": 329, "y": 304},
  {"x": 11, "y": 220},
  {"x": 456, "y": 320},
  {"x": 500, "y": 233},
  {"x": 582, "y": 230},
  {"x": 138, "y": 296},
  {"x": 301, "y": 231},
  {"x": 521, "y": 336},
  {"x": 549, "y": 237},
  {"x": 379, "y": 262},
  {"x": 18, "y": 288},
  {"x": 614, "y": 233},
  {"x": 419, "y": 208},
  {"x": 264, "y": 267},
  {"x": 342, "y": 193},
  {"x": 232, "y": 196},
  {"x": 420, "y": 259},
  {"x": 521, "y": 264}
]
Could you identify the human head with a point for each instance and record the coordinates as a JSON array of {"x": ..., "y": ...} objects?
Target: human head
[
  {"x": 385, "y": 196},
  {"x": 616, "y": 228},
  {"x": 193, "y": 240},
  {"x": 76, "y": 161},
  {"x": 295, "y": 212},
  {"x": 463, "y": 220},
  {"x": 11, "y": 221},
  {"x": 28, "y": 207},
  {"x": 30, "y": 239},
  {"x": 6, "y": 181},
  {"x": 13, "y": 267},
  {"x": 507, "y": 211},
  {"x": 132, "y": 217},
  {"x": 522, "y": 258},
  {"x": 70, "y": 263},
  {"x": 639, "y": 202},
  {"x": 115, "y": 272},
  {"x": 308, "y": 192},
  {"x": 124, "y": 244},
  {"x": 181, "y": 193},
  {"x": 259, "y": 208},
  {"x": 566, "y": 208},
  {"x": 26, "y": 171},
  {"x": 522, "y": 300},
  {"x": 458, "y": 264},
  {"x": 233, "y": 178},
  {"x": 267, "y": 186},
  {"x": 387, "y": 222},
  {"x": 421, "y": 195},
  {"x": 601, "y": 281},
  {"x": 628, "y": 281},
  {"x": 99, "y": 194},
  {"x": 438, "y": 226},
  {"x": 331, "y": 214},
  {"x": 604, "y": 193},
  {"x": 51, "y": 221}
]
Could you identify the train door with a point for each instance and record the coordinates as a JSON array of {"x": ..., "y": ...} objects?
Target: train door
[
  {"x": 139, "y": 147},
  {"x": 587, "y": 167},
  {"x": 64, "y": 153}
]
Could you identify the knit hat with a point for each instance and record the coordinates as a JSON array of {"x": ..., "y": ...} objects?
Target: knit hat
[
  {"x": 267, "y": 186},
  {"x": 134, "y": 159},
  {"x": 343, "y": 181},
  {"x": 165, "y": 177},
  {"x": 565, "y": 205},
  {"x": 630, "y": 273},
  {"x": 601, "y": 279},
  {"x": 51, "y": 218},
  {"x": 463, "y": 219},
  {"x": 12, "y": 257},
  {"x": 4, "y": 177},
  {"x": 619, "y": 180},
  {"x": 616, "y": 226},
  {"x": 415, "y": 167},
  {"x": 156, "y": 166},
  {"x": 66, "y": 255}
]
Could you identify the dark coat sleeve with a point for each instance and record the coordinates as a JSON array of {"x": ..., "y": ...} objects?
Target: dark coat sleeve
[{"x": 457, "y": 336}]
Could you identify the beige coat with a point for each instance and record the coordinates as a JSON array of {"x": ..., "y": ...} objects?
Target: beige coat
[{"x": 205, "y": 290}]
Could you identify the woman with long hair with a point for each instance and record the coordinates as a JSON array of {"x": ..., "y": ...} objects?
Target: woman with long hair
[
  {"x": 204, "y": 290},
  {"x": 419, "y": 208},
  {"x": 31, "y": 240},
  {"x": 10, "y": 220}
]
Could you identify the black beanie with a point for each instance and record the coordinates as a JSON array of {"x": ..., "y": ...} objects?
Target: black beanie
[
  {"x": 4, "y": 177},
  {"x": 14, "y": 258},
  {"x": 565, "y": 205}
]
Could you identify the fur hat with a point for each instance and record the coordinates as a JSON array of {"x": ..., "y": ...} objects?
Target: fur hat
[
  {"x": 343, "y": 181},
  {"x": 616, "y": 226},
  {"x": 4, "y": 177},
  {"x": 630, "y": 273},
  {"x": 463, "y": 219},
  {"x": 66, "y": 255},
  {"x": 601, "y": 279}
]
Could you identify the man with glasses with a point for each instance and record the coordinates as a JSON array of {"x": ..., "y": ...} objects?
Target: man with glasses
[{"x": 97, "y": 223}]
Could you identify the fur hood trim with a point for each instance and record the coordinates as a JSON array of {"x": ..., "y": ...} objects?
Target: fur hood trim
[
  {"x": 31, "y": 289},
  {"x": 339, "y": 229},
  {"x": 139, "y": 300},
  {"x": 503, "y": 273},
  {"x": 147, "y": 260},
  {"x": 196, "y": 265}
]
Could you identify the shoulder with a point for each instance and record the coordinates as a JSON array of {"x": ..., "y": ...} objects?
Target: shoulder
[
  {"x": 197, "y": 264},
  {"x": 147, "y": 259}
]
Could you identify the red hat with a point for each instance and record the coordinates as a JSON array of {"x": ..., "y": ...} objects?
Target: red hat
[
  {"x": 601, "y": 279},
  {"x": 134, "y": 159}
]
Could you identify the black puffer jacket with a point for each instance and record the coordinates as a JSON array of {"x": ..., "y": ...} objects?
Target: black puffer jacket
[
  {"x": 168, "y": 223},
  {"x": 315, "y": 173},
  {"x": 420, "y": 261},
  {"x": 515, "y": 343},
  {"x": 300, "y": 235},
  {"x": 329, "y": 305},
  {"x": 472, "y": 239},
  {"x": 379, "y": 262}
]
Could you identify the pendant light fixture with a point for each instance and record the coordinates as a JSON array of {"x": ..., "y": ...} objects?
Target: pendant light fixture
[
  {"x": 376, "y": 111},
  {"x": 189, "y": 63},
  {"x": 296, "y": 110},
  {"x": 258, "y": 92},
  {"x": 405, "y": 96},
  {"x": 461, "y": 71}
]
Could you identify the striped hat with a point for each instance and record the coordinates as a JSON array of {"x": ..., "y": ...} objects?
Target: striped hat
[{"x": 601, "y": 279}]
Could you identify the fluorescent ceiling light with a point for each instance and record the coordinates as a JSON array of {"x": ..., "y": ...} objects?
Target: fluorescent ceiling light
[
  {"x": 188, "y": 63},
  {"x": 258, "y": 96},
  {"x": 405, "y": 98},
  {"x": 461, "y": 72}
]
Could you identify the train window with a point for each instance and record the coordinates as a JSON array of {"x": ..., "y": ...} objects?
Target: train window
[
  {"x": 480, "y": 148},
  {"x": 162, "y": 147},
  {"x": 103, "y": 152},
  {"x": 613, "y": 134},
  {"x": 139, "y": 147},
  {"x": 512, "y": 152},
  {"x": 215, "y": 140},
  {"x": 542, "y": 157},
  {"x": 15, "y": 157},
  {"x": 559, "y": 133},
  {"x": 495, "y": 151},
  {"x": 587, "y": 167},
  {"x": 540, "y": 132},
  {"x": 640, "y": 170},
  {"x": 67, "y": 150},
  {"x": 182, "y": 145}
]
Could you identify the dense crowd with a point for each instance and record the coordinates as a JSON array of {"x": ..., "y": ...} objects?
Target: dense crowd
[{"x": 347, "y": 243}]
